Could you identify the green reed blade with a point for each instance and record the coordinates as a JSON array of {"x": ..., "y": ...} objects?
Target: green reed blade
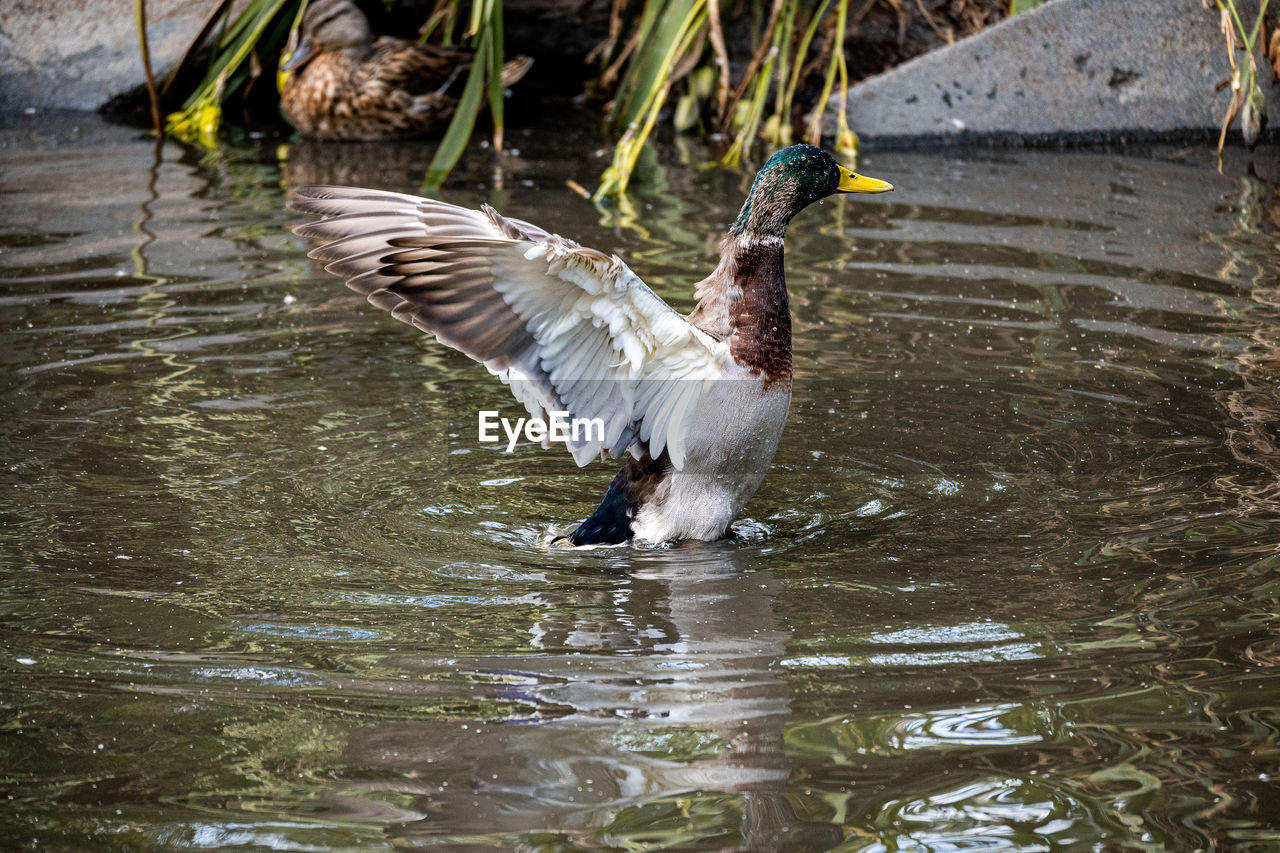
[
  {"x": 654, "y": 59},
  {"x": 802, "y": 52},
  {"x": 755, "y": 111},
  {"x": 240, "y": 40},
  {"x": 614, "y": 181},
  {"x": 496, "y": 56},
  {"x": 814, "y": 132},
  {"x": 649, "y": 16},
  {"x": 464, "y": 119}
]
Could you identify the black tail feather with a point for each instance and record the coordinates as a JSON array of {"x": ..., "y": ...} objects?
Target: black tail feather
[
  {"x": 635, "y": 482},
  {"x": 610, "y": 524}
]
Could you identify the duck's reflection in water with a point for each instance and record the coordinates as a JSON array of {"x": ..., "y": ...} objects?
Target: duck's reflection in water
[
  {"x": 399, "y": 165},
  {"x": 658, "y": 717}
]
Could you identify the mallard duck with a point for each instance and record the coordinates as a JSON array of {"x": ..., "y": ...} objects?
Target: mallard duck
[
  {"x": 697, "y": 403},
  {"x": 342, "y": 83}
]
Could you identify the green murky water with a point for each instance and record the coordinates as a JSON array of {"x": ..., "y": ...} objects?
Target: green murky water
[{"x": 1013, "y": 582}]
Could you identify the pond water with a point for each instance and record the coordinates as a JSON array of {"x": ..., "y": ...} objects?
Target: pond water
[{"x": 1012, "y": 583}]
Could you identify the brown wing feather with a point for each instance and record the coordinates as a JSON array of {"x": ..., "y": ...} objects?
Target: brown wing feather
[
  {"x": 441, "y": 284},
  {"x": 567, "y": 328},
  {"x": 415, "y": 68}
]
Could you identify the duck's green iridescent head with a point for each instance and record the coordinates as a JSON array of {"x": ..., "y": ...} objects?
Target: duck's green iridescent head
[{"x": 790, "y": 181}]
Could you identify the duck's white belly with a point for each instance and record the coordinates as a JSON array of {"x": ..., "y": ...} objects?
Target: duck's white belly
[{"x": 727, "y": 455}]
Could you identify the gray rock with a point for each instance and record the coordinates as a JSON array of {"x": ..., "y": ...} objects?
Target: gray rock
[
  {"x": 79, "y": 54},
  {"x": 1067, "y": 67}
]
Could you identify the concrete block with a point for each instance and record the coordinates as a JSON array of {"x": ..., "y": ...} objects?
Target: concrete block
[
  {"x": 80, "y": 53},
  {"x": 1067, "y": 67}
]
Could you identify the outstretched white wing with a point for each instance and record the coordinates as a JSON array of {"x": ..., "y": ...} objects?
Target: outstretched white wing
[{"x": 567, "y": 328}]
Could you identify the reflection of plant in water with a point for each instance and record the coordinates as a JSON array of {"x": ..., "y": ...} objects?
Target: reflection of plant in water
[
  {"x": 706, "y": 821},
  {"x": 1255, "y": 405},
  {"x": 296, "y": 749}
]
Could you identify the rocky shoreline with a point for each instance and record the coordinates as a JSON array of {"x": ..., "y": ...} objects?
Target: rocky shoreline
[{"x": 1070, "y": 71}]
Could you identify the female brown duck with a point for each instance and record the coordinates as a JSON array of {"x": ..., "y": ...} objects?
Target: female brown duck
[
  {"x": 342, "y": 83},
  {"x": 698, "y": 403}
]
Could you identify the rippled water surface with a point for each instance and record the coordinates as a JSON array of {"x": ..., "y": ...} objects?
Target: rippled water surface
[{"x": 1012, "y": 582}]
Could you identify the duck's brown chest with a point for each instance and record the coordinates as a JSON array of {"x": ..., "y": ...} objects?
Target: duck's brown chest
[{"x": 761, "y": 316}]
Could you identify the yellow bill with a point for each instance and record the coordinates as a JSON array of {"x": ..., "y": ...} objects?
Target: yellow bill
[{"x": 851, "y": 183}]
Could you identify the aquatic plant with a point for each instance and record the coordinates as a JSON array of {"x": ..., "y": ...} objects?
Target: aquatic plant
[
  {"x": 483, "y": 80},
  {"x": 1247, "y": 99},
  {"x": 655, "y": 48},
  {"x": 235, "y": 61}
]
